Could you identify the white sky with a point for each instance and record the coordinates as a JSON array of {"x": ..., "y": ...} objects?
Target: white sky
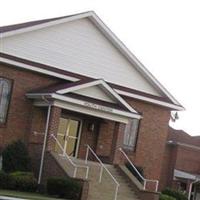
[{"x": 163, "y": 34}]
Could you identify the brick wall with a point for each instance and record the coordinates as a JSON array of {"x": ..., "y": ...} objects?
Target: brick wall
[
  {"x": 105, "y": 138},
  {"x": 55, "y": 114},
  {"x": 180, "y": 157},
  {"x": 87, "y": 136},
  {"x": 188, "y": 160},
  {"x": 151, "y": 139},
  {"x": 183, "y": 137},
  {"x": 19, "y": 118},
  {"x": 153, "y": 132}
]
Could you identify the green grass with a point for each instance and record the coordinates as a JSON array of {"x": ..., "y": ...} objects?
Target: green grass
[{"x": 26, "y": 195}]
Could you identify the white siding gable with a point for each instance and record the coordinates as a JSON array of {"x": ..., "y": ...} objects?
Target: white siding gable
[
  {"x": 96, "y": 92},
  {"x": 77, "y": 46}
]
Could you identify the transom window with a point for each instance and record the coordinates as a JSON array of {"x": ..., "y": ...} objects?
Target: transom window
[
  {"x": 130, "y": 134},
  {"x": 5, "y": 91}
]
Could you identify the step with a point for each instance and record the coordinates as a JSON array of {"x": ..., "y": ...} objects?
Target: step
[{"x": 104, "y": 190}]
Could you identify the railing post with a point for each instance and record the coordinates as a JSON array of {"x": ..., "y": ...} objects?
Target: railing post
[
  {"x": 75, "y": 171},
  {"x": 145, "y": 182},
  {"x": 116, "y": 191},
  {"x": 157, "y": 186},
  {"x": 87, "y": 173},
  {"x": 101, "y": 173}
]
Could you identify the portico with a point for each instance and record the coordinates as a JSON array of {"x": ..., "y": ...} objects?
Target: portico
[{"x": 87, "y": 112}]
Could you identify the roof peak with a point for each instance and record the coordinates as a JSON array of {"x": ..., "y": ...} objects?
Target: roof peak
[
  {"x": 96, "y": 21},
  {"x": 12, "y": 27}
]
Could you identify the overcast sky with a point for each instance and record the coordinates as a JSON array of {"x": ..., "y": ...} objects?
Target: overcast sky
[{"x": 163, "y": 34}]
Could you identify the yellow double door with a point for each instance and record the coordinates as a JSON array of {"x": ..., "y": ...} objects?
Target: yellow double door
[{"x": 68, "y": 136}]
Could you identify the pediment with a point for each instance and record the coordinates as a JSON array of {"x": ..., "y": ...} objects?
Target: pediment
[
  {"x": 96, "y": 92},
  {"x": 99, "y": 90}
]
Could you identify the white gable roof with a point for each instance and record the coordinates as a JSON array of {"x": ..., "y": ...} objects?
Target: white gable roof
[
  {"x": 116, "y": 108},
  {"x": 96, "y": 92},
  {"x": 109, "y": 93},
  {"x": 82, "y": 44}
]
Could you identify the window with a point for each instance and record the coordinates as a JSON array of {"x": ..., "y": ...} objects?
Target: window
[
  {"x": 5, "y": 90},
  {"x": 130, "y": 134}
]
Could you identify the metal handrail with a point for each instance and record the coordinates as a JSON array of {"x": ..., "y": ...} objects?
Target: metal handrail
[
  {"x": 102, "y": 167},
  {"x": 70, "y": 160},
  {"x": 144, "y": 179}
]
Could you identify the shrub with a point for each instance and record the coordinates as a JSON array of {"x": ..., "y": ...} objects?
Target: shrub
[
  {"x": 23, "y": 181},
  {"x": 178, "y": 195},
  {"x": 166, "y": 197},
  {"x": 4, "y": 180},
  {"x": 63, "y": 188},
  {"x": 132, "y": 170},
  {"x": 16, "y": 158}
]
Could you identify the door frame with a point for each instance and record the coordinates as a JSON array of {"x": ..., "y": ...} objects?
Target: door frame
[{"x": 79, "y": 131}]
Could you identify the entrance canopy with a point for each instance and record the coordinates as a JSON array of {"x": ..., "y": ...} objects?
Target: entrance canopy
[
  {"x": 186, "y": 175},
  {"x": 91, "y": 97}
]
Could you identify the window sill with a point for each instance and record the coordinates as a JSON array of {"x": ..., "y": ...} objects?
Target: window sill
[{"x": 128, "y": 150}]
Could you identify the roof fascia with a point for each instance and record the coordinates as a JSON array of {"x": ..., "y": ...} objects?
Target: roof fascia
[
  {"x": 150, "y": 100},
  {"x": 46, "y": 24},
  {"x": 132, "y": 58},
  {"x": 36, "y": 69},
  {"x": 105, "y": 85},
  {"x": 73, "y": 79},
  {"x": 81, "y": 103}
]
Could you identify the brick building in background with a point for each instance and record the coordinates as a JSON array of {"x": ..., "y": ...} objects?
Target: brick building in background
[
  {"x": 69, "y": 82},
  {"x": 182, "y": 162}
]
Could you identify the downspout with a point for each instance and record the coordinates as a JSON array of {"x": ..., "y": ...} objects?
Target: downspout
[{"x": 45, "y": 140}]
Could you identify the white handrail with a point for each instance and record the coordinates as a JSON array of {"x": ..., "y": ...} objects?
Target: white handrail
[
  {"x": 144, "y": 179},
  {"x": 102, "y": 167},
  {"x": 70, "y": 160}
]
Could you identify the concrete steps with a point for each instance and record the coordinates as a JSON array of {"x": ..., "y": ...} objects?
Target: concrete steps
[{"x": 104, "y": 190}]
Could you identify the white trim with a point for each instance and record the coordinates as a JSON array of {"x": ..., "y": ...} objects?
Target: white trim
[
  {"x": 107, "y": 109},
  {"x": 184, "y": 145},
  {"x": 132, "y": 58},
  {"x": 79, "y": 137},
  {"x": 37, "y": 69},
  {"x": 182, "y": 174},
  {"x": 148, "y": 99},
  {"x": 111, "y": 36},
  {"x": 105, "y": 85},
  {"x": 86, "y": 107},
  {"x": 46, "y": 24},
  {"x": 73, "y": 79},
  {"x": 81, "y": 109}
]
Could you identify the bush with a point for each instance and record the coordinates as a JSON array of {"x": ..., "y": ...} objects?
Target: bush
[
  {"x": 166, "y": 197},
  {"x": 178, "y": 195},
  {"x": 23, "y": 181},
  {"x": 132, "y": 170},
  {"x": 16, "y": 158},
  {"x": 4, "y": 180},
  {"x": 63, "y": 188}
]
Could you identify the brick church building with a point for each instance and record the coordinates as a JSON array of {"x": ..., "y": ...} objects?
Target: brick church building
[{"x": 69, "y": 88}]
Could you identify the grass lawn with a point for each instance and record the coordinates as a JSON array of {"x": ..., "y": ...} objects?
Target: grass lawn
[{"x": 26, "y": 195}]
